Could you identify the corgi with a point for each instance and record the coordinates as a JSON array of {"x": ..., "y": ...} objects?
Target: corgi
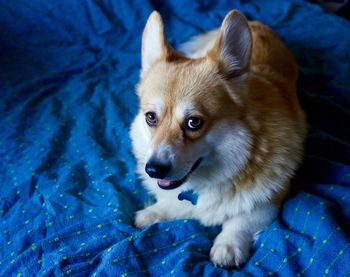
[{"x": 222, "y": 121}]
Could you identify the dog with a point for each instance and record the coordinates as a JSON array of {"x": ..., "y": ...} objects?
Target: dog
[{"x": 223, "y": 122}]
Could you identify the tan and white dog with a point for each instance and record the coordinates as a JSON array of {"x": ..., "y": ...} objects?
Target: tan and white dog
[{"x": 223, "y": 121}]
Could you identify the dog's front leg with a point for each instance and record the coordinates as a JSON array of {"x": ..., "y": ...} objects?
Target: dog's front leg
[
  {"x": 150, "y": 215},
  {"x": 231, "y": 247},
  {"x": 162, "y": 211}
]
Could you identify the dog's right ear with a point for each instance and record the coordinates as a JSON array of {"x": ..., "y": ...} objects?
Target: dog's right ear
[{"x": 154, "y": 45}]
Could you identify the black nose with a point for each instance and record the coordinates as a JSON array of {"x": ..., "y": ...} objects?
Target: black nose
[{"x": 157, "y": 170}]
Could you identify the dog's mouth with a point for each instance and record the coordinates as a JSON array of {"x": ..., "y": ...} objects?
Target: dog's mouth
[{"x": 168, "y": 185}]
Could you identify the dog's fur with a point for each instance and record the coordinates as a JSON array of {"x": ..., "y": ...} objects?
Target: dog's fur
[{"x": 241, "y": 79}]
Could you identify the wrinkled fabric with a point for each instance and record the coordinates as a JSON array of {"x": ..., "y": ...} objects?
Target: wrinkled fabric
[{"x": 69, "y": 192}]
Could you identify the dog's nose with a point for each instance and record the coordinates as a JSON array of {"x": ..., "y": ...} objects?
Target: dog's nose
[{"x": 157, "y": 170}]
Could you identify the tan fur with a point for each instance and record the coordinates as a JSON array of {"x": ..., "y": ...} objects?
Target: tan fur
[{"x": 272, "y": 87}]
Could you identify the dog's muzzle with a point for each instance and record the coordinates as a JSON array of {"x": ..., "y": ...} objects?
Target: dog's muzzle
[{"x": 168, "y": 185}]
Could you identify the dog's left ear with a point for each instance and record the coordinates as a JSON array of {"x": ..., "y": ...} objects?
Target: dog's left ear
[
  {"x": 154, "y": 44},
  {"x": 232, "y": 49}
]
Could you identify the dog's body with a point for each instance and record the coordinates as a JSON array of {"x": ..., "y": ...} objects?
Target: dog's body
[{"x": 225, "y": 123}]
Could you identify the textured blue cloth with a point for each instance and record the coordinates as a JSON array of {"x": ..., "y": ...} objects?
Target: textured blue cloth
[{"x": 67, "y": 175}]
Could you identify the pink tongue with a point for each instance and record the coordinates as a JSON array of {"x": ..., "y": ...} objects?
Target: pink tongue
[{"x": 164, "y": 183}]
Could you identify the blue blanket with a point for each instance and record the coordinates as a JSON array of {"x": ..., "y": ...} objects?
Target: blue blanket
[{"x": 68, "y": 189}]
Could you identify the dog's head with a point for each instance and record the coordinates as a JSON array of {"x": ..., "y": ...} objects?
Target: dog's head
[{"x": 191, "y": 107}]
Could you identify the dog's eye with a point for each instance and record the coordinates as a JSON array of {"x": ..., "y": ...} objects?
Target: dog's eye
[
  {"x": 194, "y": 123},
  {"x": 151, "y": 119}
]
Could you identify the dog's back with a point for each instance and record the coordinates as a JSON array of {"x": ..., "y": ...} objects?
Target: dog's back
[
  {"x": 272, "y": 59},
  {"x": 269, "y": 50}
]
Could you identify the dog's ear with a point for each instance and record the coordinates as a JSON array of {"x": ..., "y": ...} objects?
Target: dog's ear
[
  {"x": 154, "y": 45},
  {"x": 232, "y": 49}
]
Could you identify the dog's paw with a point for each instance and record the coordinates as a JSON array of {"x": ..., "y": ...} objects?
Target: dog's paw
[
  {"x": 146, "y": 217},
  {"x": 226, "y": 255}
]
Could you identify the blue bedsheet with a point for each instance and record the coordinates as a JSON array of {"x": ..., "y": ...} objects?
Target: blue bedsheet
[{"x": 68, "y": 189}]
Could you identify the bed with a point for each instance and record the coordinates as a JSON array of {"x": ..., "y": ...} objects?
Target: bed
[{"x": 69, "y": 191}]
